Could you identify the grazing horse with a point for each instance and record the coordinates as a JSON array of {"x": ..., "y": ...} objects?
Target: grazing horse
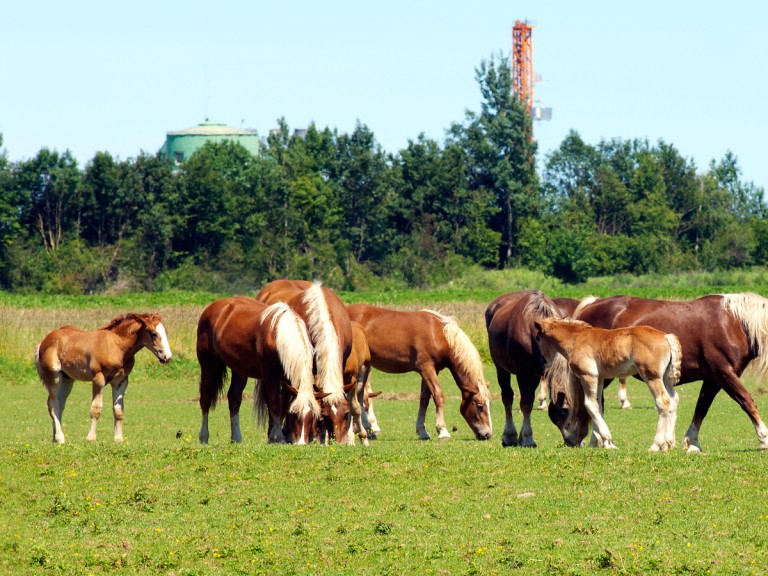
[
  {"x": 567, "y": 308},
  {"x": 720, "y": 334},
  {"x": 330, "y": 332},
  {"x": 104, "y": 356},
  {"x": 426, "y": 342},
  {"x": 596, "y": 354},
  {"x": 269, "y": 343},
  {"x": 509, "y": 320}
]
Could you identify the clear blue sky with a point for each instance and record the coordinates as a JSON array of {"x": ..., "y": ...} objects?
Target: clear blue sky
[{"x": 116, "y": 76}]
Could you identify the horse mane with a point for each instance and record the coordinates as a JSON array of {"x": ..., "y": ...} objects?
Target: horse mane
[
  {"x": 119, "y": 321},
  {"x": 295, "y": 352},
  {"x": 752, "y": 311},
  {"x": 327, "y": 346},
  {"x": 586, "y": 301},
  {"x": 464, "y": 353},
  {"x": 540, "y": 305}
]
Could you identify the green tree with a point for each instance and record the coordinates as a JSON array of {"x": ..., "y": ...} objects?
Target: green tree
[{"x": 499, "y": 142}]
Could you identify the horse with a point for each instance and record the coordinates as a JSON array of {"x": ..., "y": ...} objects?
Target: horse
[
  {"x": 330, "y": 332},
  {"x": 567, "y": 307},
  {"x": 103, "y": 356},
  {"x": 720, "y": 334},
  {"x": 269, "y": 343},
  {"x": 359, "y": 363},
  {"x": 597, "y": 354},
  {"x": 509, "y": 321},
  {"x": 426, "y": 342}
]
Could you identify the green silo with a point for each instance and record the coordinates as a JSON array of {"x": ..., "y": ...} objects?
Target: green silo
[{"x": 181, "y": 144}]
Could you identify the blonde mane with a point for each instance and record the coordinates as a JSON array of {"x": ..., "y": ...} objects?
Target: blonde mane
[
  {"x": 464, "y": 354},
  {"x": 586, "y": 301},
  {"x": 539, "y": 305},
  {"x": 752, "y": 311},
  {"x": 327, "y": 346},
  {"x": 295, "y": 352}
]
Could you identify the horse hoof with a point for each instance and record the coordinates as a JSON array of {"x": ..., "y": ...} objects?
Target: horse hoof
[
  {"x": 444, "y": 436},
  {"x": 543, "y": 406},
  {"x": 626, "y": 406},
  {"x": 507, "y": 442}
]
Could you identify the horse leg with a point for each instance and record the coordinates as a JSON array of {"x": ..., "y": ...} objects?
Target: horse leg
[
  {"x": 623, "y": 399},
  {"x": 235, "y": 399},
  {"x": 674, "y": 401},
  {"x": 663, "y": 403},
  {"x": 429, "y": 377},
  {"x": 596, "y": 440},
  {"x": 543, "y": 393},
  {"x": 736, "y": 390},
  {"x": 118, "y": 402},
  {"x": 97, "y": 403},
  {"x": 356, "y": 402},
  {"x": 527, "y": 387},
  {"x": 593, "y": 389},
  {"x": 373, "y": 423},
  {"x": 509, "y": 436},
  {"x": 58, "y": 388},
  {"x": 275, "y": 406},
  {"x": 706, "y": 396},
  {"x": 424, "y": 397}
]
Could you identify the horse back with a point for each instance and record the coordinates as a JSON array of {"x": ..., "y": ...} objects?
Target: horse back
[
  {"x": 399, "y": 340},
  {"x": 80, "y": 354},
  {"x": 231, "y": 330}
]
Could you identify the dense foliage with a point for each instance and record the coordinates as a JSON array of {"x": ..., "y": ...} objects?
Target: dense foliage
[{"x": 337, "y": 207}]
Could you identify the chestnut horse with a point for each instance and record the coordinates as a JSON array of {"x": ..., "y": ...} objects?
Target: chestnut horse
[
  {"x": 104, "y": 356},
  {"x": 269, "y": 343},
  {"x": 426, "y": 342},
  {"x": 330, "y": 331},
  {"x": 509, "y": 320},
  {"x": 596, "y": 354},
  {"x": 720, "y": 334}
]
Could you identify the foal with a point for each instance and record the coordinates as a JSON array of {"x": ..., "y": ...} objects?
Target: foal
[
  {"x": 596, "y": 354},
  {"x": 104, "y": 356}
]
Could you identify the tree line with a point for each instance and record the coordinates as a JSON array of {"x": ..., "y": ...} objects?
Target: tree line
[{"x": 335, "y": 206}]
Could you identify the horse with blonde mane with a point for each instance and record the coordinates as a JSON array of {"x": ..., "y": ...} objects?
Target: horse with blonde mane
[
  {"x": 330, "y": 332},
  {"x": 596, "y": 354},
  {"x": 103, "y": 356},
  {"x": 426, "y": 342},
  {"x": 269, "y": 343},
  {"x": 720, "y": 335}
]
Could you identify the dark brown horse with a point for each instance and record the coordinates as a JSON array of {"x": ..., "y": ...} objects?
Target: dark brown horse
[
  {"x": 426, "y": 342},
  {"x": 269, "y": 343},
  {"x": 104, "y": 356},
  {"x": 720, "y": 335},
  {"x": 330, "y": 331},
  {"x": 509, "y": 320}
]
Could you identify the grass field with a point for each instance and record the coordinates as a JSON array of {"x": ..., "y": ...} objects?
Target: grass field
[{"x": 162, "y": 504}]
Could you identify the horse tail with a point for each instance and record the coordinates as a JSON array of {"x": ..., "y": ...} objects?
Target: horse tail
[
  {"x": 586, "y": 301},
  {"x": 674, "y": 368},
  {"x": 323, "y": 334},
  {"x": 464, "y": 354},
  {"x": 752, "y": 311},
  {"x": 295, "y": 352},
  {"x": 38, "y": 364}
]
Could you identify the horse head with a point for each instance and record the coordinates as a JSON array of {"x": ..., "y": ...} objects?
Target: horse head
[
  {"x": 153, "y": 337},
  {"x": 476, "y": 409},
  {"x": 302, "y": 427}
]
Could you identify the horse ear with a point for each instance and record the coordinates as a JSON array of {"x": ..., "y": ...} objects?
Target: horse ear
[
  {"x": 374, "y": 394},
  {"x": 537, "y": 325},
  {"x": 348, "y": 387},
  {"x": 291, "y": 389},
  {"x": 320, "y": 395}
]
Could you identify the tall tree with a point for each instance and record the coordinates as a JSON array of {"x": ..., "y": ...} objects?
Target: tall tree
[{"x": 499, "y": 141}]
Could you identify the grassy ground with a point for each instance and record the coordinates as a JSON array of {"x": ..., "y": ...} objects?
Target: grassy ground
[{"x": 162, "y": 504}]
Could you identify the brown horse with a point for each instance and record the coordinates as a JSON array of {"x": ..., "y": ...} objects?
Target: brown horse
[
  {"x": 426, "y": 342},
  {"x": 104, "y": 356},
  {"x": 509, "y": 320},
  {"x": 330, "y": 331},
  {"x": 596, "y": 354},
  {"x": 269, "y": 343},
  {"x": 721, "y": 334}
]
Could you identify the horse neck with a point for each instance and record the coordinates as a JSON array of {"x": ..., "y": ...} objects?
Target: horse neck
[
  {"x": 564, "y": 337},
  {"x": 129, "y": 339}
]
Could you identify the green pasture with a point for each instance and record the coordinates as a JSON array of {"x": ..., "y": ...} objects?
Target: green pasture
[{"x": 162, "y": 504}]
